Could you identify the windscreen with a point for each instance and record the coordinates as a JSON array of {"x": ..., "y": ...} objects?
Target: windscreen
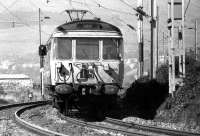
[
  {"x": 87, "y": 49},
  {"x": 110, "y": 49},
  {"x": 63, "y": 48}
]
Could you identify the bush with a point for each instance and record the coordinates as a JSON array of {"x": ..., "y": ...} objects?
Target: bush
[
  {"x": 146, "y": 95},
  {"x": 184, "y": 106},
  {"x": 191, "y": 86}
]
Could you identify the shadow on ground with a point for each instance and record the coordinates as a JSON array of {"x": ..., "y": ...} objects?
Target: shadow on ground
[{"x": 142, "y": 100}]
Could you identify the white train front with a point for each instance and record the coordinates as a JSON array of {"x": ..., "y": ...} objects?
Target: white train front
[{"x": 84, "y": 59}]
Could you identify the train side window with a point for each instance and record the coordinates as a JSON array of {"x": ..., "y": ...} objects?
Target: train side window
[
  {"x": 110, "y": 49},
  {"x": 63, "y": 48}
]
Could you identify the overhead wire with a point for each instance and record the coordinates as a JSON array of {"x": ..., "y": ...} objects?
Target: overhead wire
[
  {"x": 137, "y": 10},
  {"x": 127, "y": 4},
  {"x": 41, "y": 11},
  {"x": 98, "y": 5},
  {"x": 90, "y": 9},
  {"x": 161, "y": 22},
  {"x": 101, "y": 6},
  {"x": 118, "y": 18},
  {"x": 187, "y": 8},
  {"x": 32, "y": 3},
  {"x": 128, "y": 25},
  {"x": 13, "y": 3},
  {"x": 21, "y": 21},
  {"x": 122, "y": 21},
  {"x": 14, "y": 15},
  {"x": 114, "y": 10}
]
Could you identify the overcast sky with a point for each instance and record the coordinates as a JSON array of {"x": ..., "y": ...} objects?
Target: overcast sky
[
  {"x": 60, "y": 5},
  {"x": 93, "y": 5},
  {"x": 116, "y": 10}
]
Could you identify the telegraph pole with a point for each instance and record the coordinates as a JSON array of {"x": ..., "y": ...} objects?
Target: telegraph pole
[
  {"x": 183, "y": 35},
  {"x": 140, "y": 38},
  {"x": 153, "y": 25},
  {"x": 157, "y": 36},
  {"x": 41, "y": 58},
  {"x": 171, "y": 47},
  {"x": 39, "y": 20},
  {"x": 163, "y": 38},
  {"x": 152, "y": 38},
  {"x": 174, "y": 50},
  {"x": 195, "y": 47}
]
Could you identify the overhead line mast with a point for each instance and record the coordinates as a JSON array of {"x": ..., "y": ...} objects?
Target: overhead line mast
[
  {"x": 140, "y": 14},
  {"x": 153, "y": 30},
  {"x": 140, "y": 38},
  {"x": 41, "y": 58},
  {"x": 176, "y": 46}
]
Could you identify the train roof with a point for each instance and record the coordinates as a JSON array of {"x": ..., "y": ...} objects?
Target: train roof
[{"x": 85, "y": 25}]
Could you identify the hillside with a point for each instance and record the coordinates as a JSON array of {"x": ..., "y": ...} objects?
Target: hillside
[
  {"x": 183, "y": 109},
  {"x": 21, "y": 41}
]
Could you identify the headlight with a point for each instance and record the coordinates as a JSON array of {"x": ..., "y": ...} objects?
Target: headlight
[
  {"x": 63, "y": 89},
  {"x": 110, "y": 89}
]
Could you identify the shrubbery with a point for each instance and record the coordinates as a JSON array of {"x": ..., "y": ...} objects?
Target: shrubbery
[
  {"x": 183, "y": 107},
  {"x": 191, "y": 87},
  {"x": 144, "y": 96}
]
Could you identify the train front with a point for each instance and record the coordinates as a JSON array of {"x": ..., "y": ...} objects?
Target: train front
[{"x": 86, "y": 62}]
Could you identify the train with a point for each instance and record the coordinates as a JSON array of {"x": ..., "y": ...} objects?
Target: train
[{"x": 84, "y": 62}]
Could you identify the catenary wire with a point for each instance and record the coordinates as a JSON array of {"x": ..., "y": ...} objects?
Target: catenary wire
[{"x": 21, "y": 21}]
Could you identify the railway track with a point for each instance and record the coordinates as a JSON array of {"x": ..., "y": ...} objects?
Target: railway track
[
  {"x": 151, "y": 128},
  {"x": 32, "y": 127},
  {"x": 26, "y": 125},
  {"x": 41, "y": 131},
  {"x": 129, "y": 131},
  {"x": 7, "y": 120},
  {"x": 3, "y": 107}
]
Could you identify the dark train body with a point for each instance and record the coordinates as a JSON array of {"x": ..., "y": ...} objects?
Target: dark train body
[{"x": 84, "y": 63}]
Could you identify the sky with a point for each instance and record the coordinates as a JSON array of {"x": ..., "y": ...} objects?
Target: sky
[
  {"x": 118, "y": 11},
  {"x": 60, "y": 5},
  {"x": 24, "y": 40},
  {"x": 98, "y": 7}
]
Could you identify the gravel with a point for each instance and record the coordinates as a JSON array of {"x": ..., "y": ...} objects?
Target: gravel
[
  {"x": 176, "y": 126},
  {"x": 48, "y": 118},
  {"x": 8, "y": 127}
]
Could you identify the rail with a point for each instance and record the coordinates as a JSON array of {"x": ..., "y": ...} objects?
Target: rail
[
  {"x": 109, "y": 128},
  {"x": 151, "y": 128},
  {"x": 19, "y": 104},
  {"x": 125, "y": 128},
  {"x": 32, "y": 127}
]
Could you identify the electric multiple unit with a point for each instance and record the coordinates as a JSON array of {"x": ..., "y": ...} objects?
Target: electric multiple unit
[{"x": 84, "y": 58}]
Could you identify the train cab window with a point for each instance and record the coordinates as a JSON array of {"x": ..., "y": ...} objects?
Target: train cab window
[
  {"x": 63, "y": 48},
  {"x": 87, "y": 49},
  {"x": 110, "y": 49}
]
